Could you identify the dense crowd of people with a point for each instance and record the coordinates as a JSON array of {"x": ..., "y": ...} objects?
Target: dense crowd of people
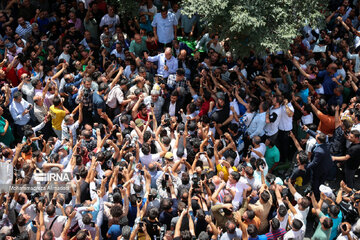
[{"x": 165, "y": 132}]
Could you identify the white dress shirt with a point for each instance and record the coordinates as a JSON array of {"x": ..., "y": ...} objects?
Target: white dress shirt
[
  {"x": 171, "y": 63},
  {"x": 16, "y": 110}
]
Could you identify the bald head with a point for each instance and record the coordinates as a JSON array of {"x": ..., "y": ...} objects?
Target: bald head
[
  {"x": 216, "y": 180},
  {"x": 25, "y": 77},
  {"x": 182, "y": 54},
  {"x": 137, "y": 38},
  {"x": 168, "y": 53},
  {"x": 37, "y": 100}
]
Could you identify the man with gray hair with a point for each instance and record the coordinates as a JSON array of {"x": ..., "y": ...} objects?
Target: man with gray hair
[
  {"x": 155, "y": 101},
  {"x": 167, "y": 63}
]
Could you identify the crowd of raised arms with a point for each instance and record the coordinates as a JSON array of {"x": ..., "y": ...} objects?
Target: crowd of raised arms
[{"x": 154, "y": 127}]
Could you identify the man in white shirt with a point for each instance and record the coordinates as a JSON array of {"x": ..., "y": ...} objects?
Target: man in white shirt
[
  {"x": 237, "y": 188},
  {"x": 167, "y": 63},
  {"x": 110, "y": 19},
  {"x": 285, "y": 126},
  {"x": 116, "y": 97},
  {"x": 65, "y": 54},
  {"x": 118, "y": 51},
  {"x": 146, "y": 157},
  {"x": 273, "y": 117},
  {"x": 297, "y": 232},
  {"x": 69, "y": 124},
  {"x": 53, "y": 222},
  {"x": 19, "y": 109},
  {"x": 259, "y": 149}
]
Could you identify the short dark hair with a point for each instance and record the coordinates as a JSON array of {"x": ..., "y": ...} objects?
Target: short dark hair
[
  {"x": 334, "y": 210},
  {"x": 328, "y": 223},
  {"x": 275, "y": 223},
  {"x": 356, "y": 133},
  {"x": 303, "y": 157},
  {"x": 282, "y": 211},
  {"x": 180, "y": 72},
  {"x": 56, "y": 101},
  {"x": 252, "y": 231},
  {"x": 250, "y": 214},
  {"x": 265, "y": 196},
  {"x": 297, "y": 224},
  {"x": 235, "y": 175}
]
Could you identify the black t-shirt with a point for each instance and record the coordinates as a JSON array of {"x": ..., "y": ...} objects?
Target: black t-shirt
[
  {"x": 354, "y": 161},
  {"x": 152, "y": 228},
  {"x": 300, "y": 177},
  {"x": 85, "y": 191}
]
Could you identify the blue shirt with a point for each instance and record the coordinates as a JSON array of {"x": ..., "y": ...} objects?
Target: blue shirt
[
  {"x": 114, "y": 231},
  {"x": 328, "y": 83},
  {"x": 165, "y": 27},
  {"x": 171, "y": 63},
  {"x": 304, "y": 93},
  {"x": 336, "y": 222},
  {"x": 99, "y": 103},
  {"x": 257, "y": 125}
]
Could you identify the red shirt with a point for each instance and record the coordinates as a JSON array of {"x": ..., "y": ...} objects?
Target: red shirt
[
  {"x": 11, "y": 75},
  {"x": 141, "y": 117},
  {"x": 205, "y": 107},
  {"x": 21, "y": 71}
]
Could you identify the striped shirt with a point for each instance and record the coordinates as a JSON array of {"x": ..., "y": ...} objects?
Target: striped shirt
[
  {"x": 275, "y": 235},
  {"x": 24, "y": 32}
]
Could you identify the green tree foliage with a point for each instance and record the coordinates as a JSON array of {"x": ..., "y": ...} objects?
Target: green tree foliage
[
  {"x": 128, "y": 8},
  {"x": 257, "y": 24}
]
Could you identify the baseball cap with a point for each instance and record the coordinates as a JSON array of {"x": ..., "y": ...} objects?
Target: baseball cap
[
  {"x": 327, "y": 191},
  {"x": 139, "y": 122},
  {"x": 169, "y": 156}
]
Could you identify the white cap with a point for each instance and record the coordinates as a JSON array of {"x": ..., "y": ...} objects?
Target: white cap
[{"x": 327, "y": 191}]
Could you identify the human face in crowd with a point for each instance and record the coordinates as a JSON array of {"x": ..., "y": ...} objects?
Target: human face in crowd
[
  {"x": 164, "y": 14},
  {"x": 106, "y": 42},
  {"x": 332, "y": 68},
  {"x": 168, "y": 54},
  {"x": 21, "y": 22},
  {"x": 87, "y": 84},
  {"x": 173, "y": 99},
  {"x": 154, "y": 98},
  {"x": 118, "y": 48},
  {"x": 25, "y": 77},
  {"x": 196, "y": 126},
  {"x": 137, "y": 38},
  {"x": 111, "y": 11}
]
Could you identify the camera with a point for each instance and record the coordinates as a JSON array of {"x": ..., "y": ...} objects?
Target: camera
[
  {"x": 133, "y": 142},
  {"x": 166, "y": 121},
  {"x": 162, "y": 231},
  {"x": 195, "y": 180},
  {"x": 141, "y": 224},
  {"x": 86, "y": 92}
]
